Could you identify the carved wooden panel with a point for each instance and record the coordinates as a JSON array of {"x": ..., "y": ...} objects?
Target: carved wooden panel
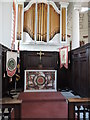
[{"x": 80, "y": 66}]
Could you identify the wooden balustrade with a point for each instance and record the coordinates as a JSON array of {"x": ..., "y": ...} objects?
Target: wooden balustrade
[
  {"x": 10, "y": 104},
  {"x": 79, "y": 108}
]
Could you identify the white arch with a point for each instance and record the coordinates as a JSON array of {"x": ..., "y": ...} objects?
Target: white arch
[
  {"x": 54, "y": 6},
  {"x": 29, "y": 5},
  {"x": 42, "y": 1}
]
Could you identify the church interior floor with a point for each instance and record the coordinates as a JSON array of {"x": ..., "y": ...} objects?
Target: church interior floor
[
  {"x": 43, "y": 105},
  {"x": 66, "y": 93}
]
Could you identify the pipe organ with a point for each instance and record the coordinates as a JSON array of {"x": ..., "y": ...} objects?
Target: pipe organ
[
  {"x": 29, "y": 21},
  {"x": 54, "y": 22},
  {"x": 63, "y": 24},
  {"x": 43, "y": 22},
  {"x": 19, "y": 22}
]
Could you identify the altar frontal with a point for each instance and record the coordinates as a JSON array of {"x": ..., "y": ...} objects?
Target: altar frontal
[{"x": 40, "y": 80}]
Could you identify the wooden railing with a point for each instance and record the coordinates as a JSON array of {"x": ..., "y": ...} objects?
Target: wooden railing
[
  {"x": 6, "y": 107},
  {"x": 79, "y": 108}
]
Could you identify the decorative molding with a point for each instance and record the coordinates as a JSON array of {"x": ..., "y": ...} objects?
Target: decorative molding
[
  {"x": 34, "y": 1},
  {"x": 77, "y": 7},
  {"x": 54, "y": 6},
  {"x": 28, "y": 40},
  {"x": 64, "y": 4},
  {"x": 20, "y": 1},
  {"x": 42, "y": 1},
  {"x": 30, "y": 4}
]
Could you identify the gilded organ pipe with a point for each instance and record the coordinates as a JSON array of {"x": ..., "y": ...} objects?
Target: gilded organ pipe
[{"x": 42, "y": 10}]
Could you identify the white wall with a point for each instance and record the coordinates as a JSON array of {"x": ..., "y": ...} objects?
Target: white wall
[
  {"x": 84, "y": 27},
  {"x": 38, "y": 47},
  {"x": 83, "y": 23},
  {"x": 5, "y": 23}
]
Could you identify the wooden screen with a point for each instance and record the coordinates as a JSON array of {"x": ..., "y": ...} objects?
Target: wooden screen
[
  {"x": 54, "y": 22},
  {"x": 79, "y": 108},
  {"x": 29, "y": 21}
]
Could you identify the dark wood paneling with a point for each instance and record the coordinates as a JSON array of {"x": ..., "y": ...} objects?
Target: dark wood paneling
[
  {"x": 80, "y": 68},
  {"x": 30, "y": 60},
  {"x": 50, "y": 60},
  {"x": 89, "y": 72},
  {"x": 76, "y": 75},
  {"x": 83, "y": 77},
  {"x": 62, "y": 78},
  {"x": 4, "y": 82},
  {"x": 0, "y": 71}
]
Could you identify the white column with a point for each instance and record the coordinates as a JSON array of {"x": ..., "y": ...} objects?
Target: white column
[{"x": 75, "y": 27}]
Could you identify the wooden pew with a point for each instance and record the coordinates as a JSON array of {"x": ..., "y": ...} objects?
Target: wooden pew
[
  {"x": 76, "y": 106},
  {"x": 9, "y": 104}
]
